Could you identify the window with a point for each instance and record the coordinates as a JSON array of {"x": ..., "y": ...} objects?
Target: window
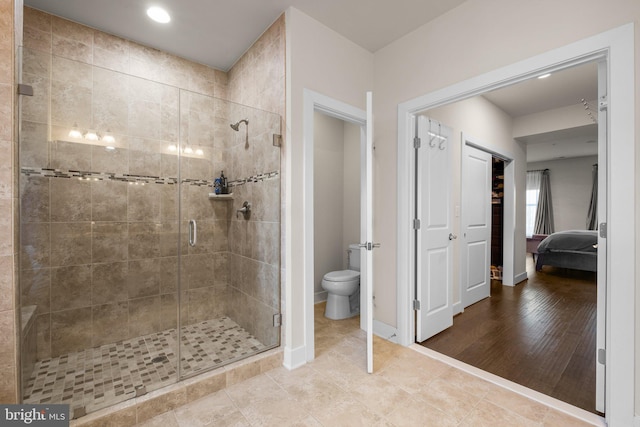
[{"x": 533, "y": 191}]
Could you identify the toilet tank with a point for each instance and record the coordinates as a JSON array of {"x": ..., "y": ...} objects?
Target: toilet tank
[{"x": 354, "y": 257}]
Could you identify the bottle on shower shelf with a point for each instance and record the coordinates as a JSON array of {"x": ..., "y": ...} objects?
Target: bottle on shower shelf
[{"x": 224, "y": 188}]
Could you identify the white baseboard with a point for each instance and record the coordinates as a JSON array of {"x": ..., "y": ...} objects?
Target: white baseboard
[
  {"x": 294, "y": 358},
  {"x": 520, "y": 277},
  {"x": 320, "y": 297},
  {"x": 636, "y": 421},
  {"x": 385, "y": 331},
  {"x": 457, "y": 308}
]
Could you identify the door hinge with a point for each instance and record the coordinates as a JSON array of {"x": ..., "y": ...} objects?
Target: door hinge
[
  {"x": 416, "y": 224},
  {"x": 603, "y": 230},
  {"x": 603, "y": 103},
  {"x": 602, "y": 356},
  {"x": 416, "y": 304},
  {"x": 24, "y": 89},
  {"x": 277, "y": 320},
  {"x": 416, "y": 142},
  {"x": 277, "y": 140}
]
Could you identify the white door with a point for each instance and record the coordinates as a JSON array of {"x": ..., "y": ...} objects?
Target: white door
[
  {"x": 433, "y": 230},
  {"x": 366, "y": 258},
  {"x": 476, "y": 224},
  {"x": 602, "y": 243}
]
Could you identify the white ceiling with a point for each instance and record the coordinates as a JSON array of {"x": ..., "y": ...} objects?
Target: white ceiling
[
  {"x": 218, "y": 32},
  {"x": 561, "y": 89}
]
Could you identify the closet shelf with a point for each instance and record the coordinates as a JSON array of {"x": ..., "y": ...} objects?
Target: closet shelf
[{"x": 215, "y": 196}]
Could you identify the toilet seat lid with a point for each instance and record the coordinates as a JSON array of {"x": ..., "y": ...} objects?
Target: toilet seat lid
[{"x": 342, "y": 275}]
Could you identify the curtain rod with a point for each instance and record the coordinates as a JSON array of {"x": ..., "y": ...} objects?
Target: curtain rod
[{"x": 538, "y": 170}]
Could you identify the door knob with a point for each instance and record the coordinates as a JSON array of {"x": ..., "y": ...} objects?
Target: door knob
[
  {"x": 369, "y": 246},
  {"x": 452, "y": 236}
]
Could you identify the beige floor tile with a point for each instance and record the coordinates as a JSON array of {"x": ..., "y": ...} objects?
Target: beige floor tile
[
  {"x": 449, "y": 398},
  {"x": 486, "y": 414},
  {"x": 378, "y": 394},
  {"x": 339, "y": 369},
  {"x": 414, "y": 412},
  {"x": 256, "y": 389},
  {"x": 521, "y": 405},
  {"x": 307, "y": 422},
  {"x": 348, "y": 412},
  {"x": 555, "y": 418},
  {"x": 214, "y": 409},
  {"x": 467, "y": 382},
  {"x": 283, "y": 412},
  {"x": 412, "y": 374},
  {"x": 168, "y": 419}
]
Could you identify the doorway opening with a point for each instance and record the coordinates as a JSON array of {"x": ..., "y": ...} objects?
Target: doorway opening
[
  {"x": 615, "y": 49},
  {"x": 316, "y": 103},
  {"x": 482, "y": 198}
]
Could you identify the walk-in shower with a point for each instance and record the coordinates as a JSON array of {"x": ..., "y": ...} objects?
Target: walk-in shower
[{"x": 115, "y": 302}]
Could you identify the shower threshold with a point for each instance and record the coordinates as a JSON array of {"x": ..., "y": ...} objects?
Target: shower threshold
[{"x": 99, "y": 377}]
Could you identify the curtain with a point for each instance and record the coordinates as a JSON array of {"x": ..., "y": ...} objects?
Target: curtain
[
  {"x": 544, "y": 213},
  {"x": 533, "y": 189},
  {"x": 592, "y": 214}
]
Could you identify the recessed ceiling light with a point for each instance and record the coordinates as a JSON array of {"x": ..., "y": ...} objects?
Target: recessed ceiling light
[
  {"x": 544, "y": 76},
  {"x": 158, "y": 14}
]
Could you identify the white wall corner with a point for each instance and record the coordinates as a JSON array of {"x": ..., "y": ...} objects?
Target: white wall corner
[
  {"x": 457, "y": 308},
  {"x": 294, "y": 357},
  {"x": 385, "y": 331}
]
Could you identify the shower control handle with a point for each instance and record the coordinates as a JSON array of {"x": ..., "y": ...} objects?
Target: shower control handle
[
  {"x": 245, "y": 210},
  {"x": 193, "y": 232}
]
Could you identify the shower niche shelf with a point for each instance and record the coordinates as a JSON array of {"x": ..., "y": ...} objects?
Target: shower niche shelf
[{"x": 214, "y": 196}]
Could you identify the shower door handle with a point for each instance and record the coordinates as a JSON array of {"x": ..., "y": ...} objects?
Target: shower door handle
[{"x": 193, "y": 232}]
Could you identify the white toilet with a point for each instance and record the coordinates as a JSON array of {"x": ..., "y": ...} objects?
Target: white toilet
[{"x": 343, "y": 288}]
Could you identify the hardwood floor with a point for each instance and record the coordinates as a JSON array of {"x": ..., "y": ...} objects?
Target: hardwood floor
[{"x": 540, "y": 334}]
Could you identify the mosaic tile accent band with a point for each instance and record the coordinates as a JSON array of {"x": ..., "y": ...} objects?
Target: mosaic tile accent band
[
  {"x": 137, "y": 179},
  {"x": 98, "y": 377}
]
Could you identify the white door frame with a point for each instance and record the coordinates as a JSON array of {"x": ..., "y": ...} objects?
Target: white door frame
[
  {"x": 617, "y": 48},
  {"x": 313, "y": 102}
]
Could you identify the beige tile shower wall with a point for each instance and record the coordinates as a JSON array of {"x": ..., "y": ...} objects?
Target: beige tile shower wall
[
  {"x": 257, "y": 80},
  {"x": 8, "y": 210},
  {"x": 99, "y": 258}
]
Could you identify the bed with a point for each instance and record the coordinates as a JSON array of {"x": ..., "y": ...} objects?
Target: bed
[{"x": 575, "y": 249}]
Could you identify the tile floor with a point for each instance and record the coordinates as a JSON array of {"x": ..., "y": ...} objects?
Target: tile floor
[
  {"x": 406, "y": 389},
  {"x": 99, "y": 377}
]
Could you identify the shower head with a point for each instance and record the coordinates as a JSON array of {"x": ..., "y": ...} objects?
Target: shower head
[{"x": 236, "y": 126}]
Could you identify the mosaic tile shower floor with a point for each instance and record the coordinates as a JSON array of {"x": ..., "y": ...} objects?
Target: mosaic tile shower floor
[{"x": 98, "y": 377}]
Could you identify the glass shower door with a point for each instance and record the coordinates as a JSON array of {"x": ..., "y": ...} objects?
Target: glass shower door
[
  {"x": 230, "y": 256},
  {"x": 99, "y": 233}
]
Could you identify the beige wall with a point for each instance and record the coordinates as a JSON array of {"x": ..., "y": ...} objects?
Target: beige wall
[
  {"x": 571, "y": 183},
  {"x": 328, "y": 167},
  {"x": 9, "y": 376},
  {"x": 351, "y": 190},
  {"x": 323, "y": 61}
]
